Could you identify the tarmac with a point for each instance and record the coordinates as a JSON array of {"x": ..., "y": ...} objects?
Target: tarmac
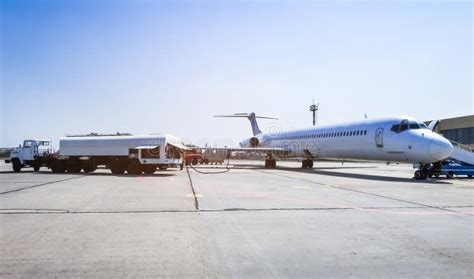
[{"x": 337, "y": 220}]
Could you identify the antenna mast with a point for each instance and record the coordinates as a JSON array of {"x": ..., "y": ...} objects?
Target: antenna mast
[{"x": 314, "y": 108}]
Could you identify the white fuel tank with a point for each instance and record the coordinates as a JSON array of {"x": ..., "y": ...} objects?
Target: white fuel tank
[{"x": 110, "y": 145}]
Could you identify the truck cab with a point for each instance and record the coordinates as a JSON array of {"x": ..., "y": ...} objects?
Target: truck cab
[{"x": 33, "y": 153}]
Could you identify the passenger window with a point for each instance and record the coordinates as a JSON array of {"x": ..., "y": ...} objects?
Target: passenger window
[{"x": 365, "y": 132}]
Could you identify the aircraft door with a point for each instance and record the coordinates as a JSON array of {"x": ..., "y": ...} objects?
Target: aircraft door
[{"x": 379, "y": 137}]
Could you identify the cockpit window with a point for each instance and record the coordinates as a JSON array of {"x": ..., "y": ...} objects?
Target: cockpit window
[
  {"x": 414, "y": 125},
  {"x": 398, "y": 128},
  {"x": 405, "y": 125}
]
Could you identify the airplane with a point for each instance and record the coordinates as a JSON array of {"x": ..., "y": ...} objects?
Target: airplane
[{"x": 390, "y": 139}]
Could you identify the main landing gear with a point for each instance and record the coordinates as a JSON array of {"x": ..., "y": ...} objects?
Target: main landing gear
[
  {"x": 270, "y": 162},
  {"x": 307, "y": 164}
]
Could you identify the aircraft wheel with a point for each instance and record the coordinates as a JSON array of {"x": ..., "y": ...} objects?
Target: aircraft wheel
[{"x": 419, "y": 175}]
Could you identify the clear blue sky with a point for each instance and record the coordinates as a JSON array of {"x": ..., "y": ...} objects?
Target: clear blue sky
[{"x": 168, "y": 66}]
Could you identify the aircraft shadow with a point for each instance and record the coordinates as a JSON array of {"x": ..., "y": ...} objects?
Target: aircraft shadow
[{"x": 366, "y": 176}]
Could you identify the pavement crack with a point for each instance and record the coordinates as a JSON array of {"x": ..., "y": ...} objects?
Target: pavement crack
[
  {"x": 33, "y": 211},
  {"x": 42, "y": 184},
  {"x": 196, "y": 201}
]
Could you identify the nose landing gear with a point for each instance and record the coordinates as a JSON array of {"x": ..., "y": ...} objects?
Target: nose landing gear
[
  {"x": 427, "y": 170},
  {"x": 421, "y": 175}
]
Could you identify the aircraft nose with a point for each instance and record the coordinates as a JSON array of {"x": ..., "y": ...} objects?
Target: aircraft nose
[{"x": 440, "y": 149}]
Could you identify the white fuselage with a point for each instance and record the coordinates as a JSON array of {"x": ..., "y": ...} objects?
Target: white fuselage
[{"x": 378, "y": 139}]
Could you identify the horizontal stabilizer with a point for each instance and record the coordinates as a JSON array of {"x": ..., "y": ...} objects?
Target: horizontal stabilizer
[
  {"x": 245, "y": 115},
  {"x": 251, "y": 117}
]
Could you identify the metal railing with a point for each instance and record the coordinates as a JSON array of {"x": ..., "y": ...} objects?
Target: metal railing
[{"x": 462, "y": 146}]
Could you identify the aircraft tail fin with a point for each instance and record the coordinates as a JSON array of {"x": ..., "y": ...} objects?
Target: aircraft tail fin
[{"x": 251, "y": 117}]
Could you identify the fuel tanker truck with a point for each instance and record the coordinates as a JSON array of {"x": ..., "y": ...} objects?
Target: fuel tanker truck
[{"x": 134, "y": 154}]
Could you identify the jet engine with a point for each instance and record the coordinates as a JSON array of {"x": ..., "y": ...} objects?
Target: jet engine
[
  {"x": 253, "y": 142},
  {"x": 250, "y": 142}
]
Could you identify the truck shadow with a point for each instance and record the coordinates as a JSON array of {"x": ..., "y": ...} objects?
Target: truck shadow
[{"x": 158, "y": 174}]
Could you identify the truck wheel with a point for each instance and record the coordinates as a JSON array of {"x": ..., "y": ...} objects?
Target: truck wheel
[
  {"x": 134, "y": 168},
  {"x": 195, "y": 161},
  {"x": 149, "y": 169},
  {"x": 163, "y": 167},
  {"x": 89, "y": 166},
  {"x": 117, "y": 167},
  {"x": 450, "y": 175},
  {"x": 206, "y": 161},
  {"x": 16, "y": 165},
  {"x": 36, "y": 168},
  {"x": 57, "y": 166},
  {"x": 73, "y": 166}
]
